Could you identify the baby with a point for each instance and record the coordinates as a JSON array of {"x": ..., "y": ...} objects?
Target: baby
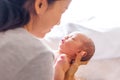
[{"x": 69, "y": 47}]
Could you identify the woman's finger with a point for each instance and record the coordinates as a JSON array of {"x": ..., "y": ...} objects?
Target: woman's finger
[{"x": 79, "y": 57}]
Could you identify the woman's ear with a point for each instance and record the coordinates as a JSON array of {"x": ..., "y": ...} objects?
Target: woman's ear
[{"x": 40, "y": 6}]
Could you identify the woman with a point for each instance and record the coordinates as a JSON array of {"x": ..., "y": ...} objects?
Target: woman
[{"x": 22, "y": 22}]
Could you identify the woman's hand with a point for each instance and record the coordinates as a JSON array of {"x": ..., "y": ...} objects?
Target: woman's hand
[{"x": 74, "y": 66}]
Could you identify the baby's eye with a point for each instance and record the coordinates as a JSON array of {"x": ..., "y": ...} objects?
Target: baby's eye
[
  {"x": 73, "y": 38},
  {"x": 66, "y": 37}
]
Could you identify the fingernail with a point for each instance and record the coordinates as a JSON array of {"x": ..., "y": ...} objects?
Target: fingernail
[{"x": 83, "y": 52}]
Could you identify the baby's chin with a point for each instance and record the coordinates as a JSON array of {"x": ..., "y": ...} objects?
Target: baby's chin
[{"x": 72, "y": 57}]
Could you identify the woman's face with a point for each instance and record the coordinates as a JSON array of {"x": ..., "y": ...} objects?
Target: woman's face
[
  {"x": 70, "y": 44},
  {"x": 51, "y": 16}
]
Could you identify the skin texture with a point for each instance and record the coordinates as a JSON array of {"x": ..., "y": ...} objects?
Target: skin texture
[
  {"x": 73, "y": 49},
  {"x": 37, "y": 26},
  {"x": 74, "y": 43},
  {"x": 69, "y": 75},
  {"x": 46, "y": 16},
  {"x": 64, "y": 70},
  {"x": 38, "y": 17}
]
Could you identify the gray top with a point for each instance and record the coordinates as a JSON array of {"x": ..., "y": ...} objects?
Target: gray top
[{"x": 23, "y": 57}]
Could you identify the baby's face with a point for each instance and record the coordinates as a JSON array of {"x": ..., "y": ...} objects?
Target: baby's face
[
  {"x": 70, "y": 44},
  {"x": 76, "y": 42}
]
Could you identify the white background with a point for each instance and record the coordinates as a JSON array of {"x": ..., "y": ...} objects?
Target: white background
[{"x": 99, "y": 15}]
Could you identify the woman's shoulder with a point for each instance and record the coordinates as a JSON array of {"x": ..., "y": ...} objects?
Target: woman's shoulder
[
  {"x": 18, "y": 36},
  {"x": 20, "y": 42},
  {"x": 20, "y": 51}
]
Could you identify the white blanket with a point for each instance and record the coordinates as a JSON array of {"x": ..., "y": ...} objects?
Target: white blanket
[
  {"x": 106, "y": 69},
  {"x": 105, "y": 64},
  {"x": 107, "y": 43}
]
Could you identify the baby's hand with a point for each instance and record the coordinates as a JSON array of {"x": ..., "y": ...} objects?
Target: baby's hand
[{"x": 62, "y": 62}]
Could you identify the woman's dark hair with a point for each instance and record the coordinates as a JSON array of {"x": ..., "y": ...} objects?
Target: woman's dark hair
[{"x": 15, "y": 13}]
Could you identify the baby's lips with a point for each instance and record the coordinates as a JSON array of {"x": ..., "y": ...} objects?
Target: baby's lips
[{"x": 62, "y": 40}]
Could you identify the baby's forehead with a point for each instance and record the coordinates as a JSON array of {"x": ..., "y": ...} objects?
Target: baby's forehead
[
  {"x": 74, "y": 34},
  {"x": 79, "y": 35}
]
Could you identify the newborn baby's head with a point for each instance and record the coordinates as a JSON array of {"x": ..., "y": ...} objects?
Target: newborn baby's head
[
  {"x": 76, "y": 42},
  {"x": 87, "y": 45}
]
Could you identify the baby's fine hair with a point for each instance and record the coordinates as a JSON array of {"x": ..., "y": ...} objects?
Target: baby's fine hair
[{"x": 87, "y": 45}]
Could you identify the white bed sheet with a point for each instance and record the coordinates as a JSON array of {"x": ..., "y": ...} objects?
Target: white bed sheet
[
  {"x": 104, "y": 69},
  {"x": 107, "y": 43}
]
